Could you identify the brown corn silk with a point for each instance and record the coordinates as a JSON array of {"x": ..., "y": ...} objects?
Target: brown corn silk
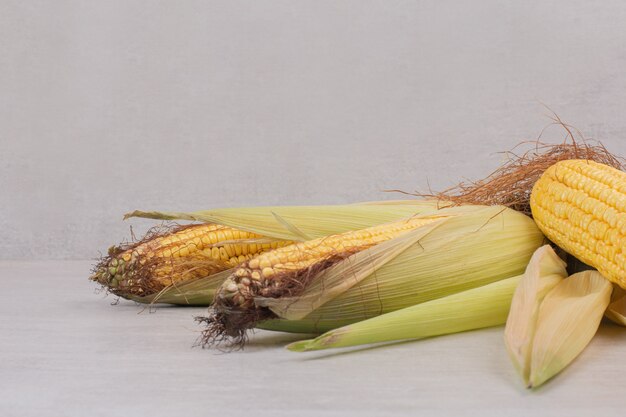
[{"x": 511, "y": 184}]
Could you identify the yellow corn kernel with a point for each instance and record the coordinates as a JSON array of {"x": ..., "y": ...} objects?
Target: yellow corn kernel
[{"x": 230, "y": 250}]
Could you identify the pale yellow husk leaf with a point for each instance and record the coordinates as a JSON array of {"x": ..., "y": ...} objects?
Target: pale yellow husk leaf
[
  {"x": 543, "y": 272},
  {"x": 568, "y": 318}
]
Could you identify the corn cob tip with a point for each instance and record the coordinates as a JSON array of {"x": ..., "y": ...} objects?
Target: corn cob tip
[
  {"x": 172, "y": 255},
  {"x": 165, "y": 255}
]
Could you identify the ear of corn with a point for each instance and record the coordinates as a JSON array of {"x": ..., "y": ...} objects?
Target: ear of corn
[
  {"x": 186, "y": 253},
  {"x": 242, "y": 301},
  {"x": 339, "y": 278},
  {"x": 568, "y": 318},
  {"x": 544, "y": 271},
  {"x": 581, "y": 206},
  {"x": 284, "y": 274},
  {"x": 473, "y": 246}
]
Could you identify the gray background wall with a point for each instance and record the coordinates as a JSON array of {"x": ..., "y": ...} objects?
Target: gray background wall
[{"x": 115, "y": 105}]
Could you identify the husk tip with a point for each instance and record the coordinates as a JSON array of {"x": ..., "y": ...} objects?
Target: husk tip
[
  {"x": 300, "y": 346},
  {"x": 130, "y": 214},
  {"x": 538, "y": 379}
]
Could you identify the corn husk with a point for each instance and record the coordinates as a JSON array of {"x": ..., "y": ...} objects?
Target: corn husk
[
  {"x": 544, "y": 271},
  {"x": 477, "y": 308},
  {"x": 559, "y": 328},
  {"x": 616, "y": 312},
  {"x": 301, "y": 223},
  {"x": 470, "y": 247}
]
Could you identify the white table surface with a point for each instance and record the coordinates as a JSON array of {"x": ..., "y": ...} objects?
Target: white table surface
[{"x": 66, "y": 351}]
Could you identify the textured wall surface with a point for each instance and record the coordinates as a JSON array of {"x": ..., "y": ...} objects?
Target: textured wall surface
[{"x": 111, "y": 106}]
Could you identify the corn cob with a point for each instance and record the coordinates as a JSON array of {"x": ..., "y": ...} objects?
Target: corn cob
[
  {"x": 285, "y": 270},
  {"x": 581, "y": 206},
  {"x": 442, "y": 252},
  {"x": 180, "y": 255}
]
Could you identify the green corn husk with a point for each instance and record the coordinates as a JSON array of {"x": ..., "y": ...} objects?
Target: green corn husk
[
  {"x": 281, "y": 222},
  {"x": 470, "y": 247},
  {"x": 477, "y": 308},
  {"x": 302, "y": 222}
]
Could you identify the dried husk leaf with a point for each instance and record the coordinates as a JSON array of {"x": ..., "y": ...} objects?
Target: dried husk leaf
[
  {"x": 568, "y": 318},
  {"x": 198, "y": 292},
  {"x": 544, "y": 271},
  {"x": 292, "y": 222},
  {"x": 616, "y": 311}
]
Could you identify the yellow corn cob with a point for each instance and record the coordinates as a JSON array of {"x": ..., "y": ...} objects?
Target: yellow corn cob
[
  {"x": 299, "y": 256},
  {"x": 183, "y": 254},
  {"x": 287, "y": 270},
  {"x": 581, "y": 206}
]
